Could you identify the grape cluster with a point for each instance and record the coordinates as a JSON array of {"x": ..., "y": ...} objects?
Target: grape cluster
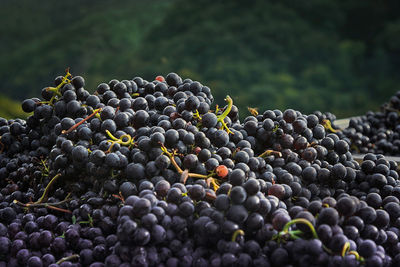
[
  {"x": 377, "y": 132},
  {"x": 145, "y": 173}
]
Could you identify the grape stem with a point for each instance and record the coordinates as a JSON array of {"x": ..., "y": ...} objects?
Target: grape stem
[
  {"x": 81, "y": 122},
  {"x": 121, "y": 139},
  {"x": 295, "y": 234},
  {"x": 172, "y": 158},
  {"x": 270, "y": 152},
  {"x": 358, "y": 257},
  {"x": 196, "y": 115},
  {"x": 46, "y": 190},
  {"x": 212, "y": 182},
  {"x": 228, "y": 109},
  {"x": 45, "y": 168},
  {"x": 328, "y": 125},
  {"x": 89, "y": 221},
  {"x": 56, "y": 89},
  {"x": 302, "y": 221},
  {"x": 69, "y": 258},
  {"x": 236, "y": 233},
  {"x": 186, "y": 174},
  {"x": 119, "y": 196},
  {"x": 345, "y": 249},
  {"x": 52, "y": 206},
  {"x": 43, "y": 198},
  {"x": 128, "y": 142},
  {"x": 312, "y": 144}
]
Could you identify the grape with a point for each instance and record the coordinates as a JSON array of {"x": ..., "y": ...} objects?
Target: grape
[
  {"x": 143, "y": 172},
  {"x": 279, "y": 257},
  {"x": 280, "y": 220},
  {"x": 277, "y": 190},
  {"x": 328, "y": 216},
  {"x": 28, "y": 105},
  {"x": 375, "y": 132},
  {"x": 237, "y": 177}
]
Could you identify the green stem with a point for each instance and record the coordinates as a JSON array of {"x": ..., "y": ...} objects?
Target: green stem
[
  {"x": 112, "y": 137},
  {"x": 236, "y": 233},
  {"x": 211, "y": 182},
  {"x": 271, "y": 152},
  {"x": 69, "y": 258},
  {"x": 46, "y": 169},
  {"x": 358, "y": 257},
  {"x": 120, "y": 140},
  {"x": 111, "y": 147},
  {"x": 303, "y": 221},
  {"x": 46, "y": 190},
  {"x": 229, "y": 100},
  {"x": 228, "y": 109},
  {"x": 46, "y": 205},
  {"x": 345, "y": 249},
  {"x": 56, "y": 90},
  {"x": 295, "y": 234},
  {"x": 128, "y": 142},
  {"x": 196, "y": 175},
  {"x": 327, "y": 125}
]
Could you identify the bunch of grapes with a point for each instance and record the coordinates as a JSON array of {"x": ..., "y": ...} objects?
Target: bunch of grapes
[
  {"x": 377, "y": 132},
  {"x": 148, "y": 173}
]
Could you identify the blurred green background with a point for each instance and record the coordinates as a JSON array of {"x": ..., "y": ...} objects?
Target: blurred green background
[{"x": 339, "y": 56}]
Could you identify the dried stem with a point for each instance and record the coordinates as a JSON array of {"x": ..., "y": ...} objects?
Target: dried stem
[
  {"x": 186, "y": 174},
  {"x": 52, "y": 206},
  {"x": 81, "y": 122}
]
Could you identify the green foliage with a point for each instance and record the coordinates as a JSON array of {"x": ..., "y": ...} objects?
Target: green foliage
[
  {"x": 280, "y": 54},
  {"x": 11, "y": 109},
  {"x": 336, "y": 56},
  {"x": 90, "y": 37}
]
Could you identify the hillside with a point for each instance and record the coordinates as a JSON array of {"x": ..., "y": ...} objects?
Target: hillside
[
  {"x": 90, "y": 37},
  {"x": 10, "y": 109},
  {"x": 328, "y": 55}
]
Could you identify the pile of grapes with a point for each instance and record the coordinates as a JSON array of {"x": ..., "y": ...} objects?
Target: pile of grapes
[
  {"x": 146, "y": 173},
  {"x": 377, "y": 132}
]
